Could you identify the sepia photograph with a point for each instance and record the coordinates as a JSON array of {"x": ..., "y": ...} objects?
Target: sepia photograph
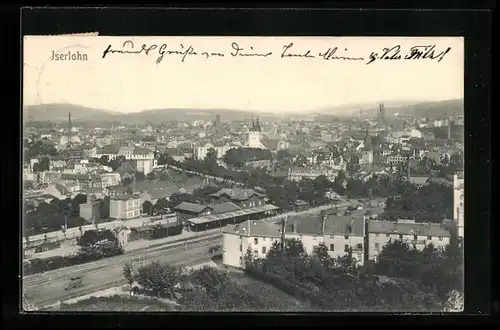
[{"x": 243, "y": 174}]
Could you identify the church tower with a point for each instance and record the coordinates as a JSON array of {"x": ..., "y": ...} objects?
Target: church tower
[{"x": 254, "y": 135}]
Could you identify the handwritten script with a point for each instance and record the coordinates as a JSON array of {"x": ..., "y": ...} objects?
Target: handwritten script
[{"x": 286, "y": 51}]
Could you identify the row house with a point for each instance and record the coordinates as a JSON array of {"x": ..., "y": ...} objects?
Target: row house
[
  {"x": 418, "y": 235},
  {"x": 340, "y": 234}
]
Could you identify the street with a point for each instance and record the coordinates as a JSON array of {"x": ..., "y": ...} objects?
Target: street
[{"x": 47, "y": 288}]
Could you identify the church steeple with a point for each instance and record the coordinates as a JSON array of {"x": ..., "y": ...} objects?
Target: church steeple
[{"x": 255, "y": 125}]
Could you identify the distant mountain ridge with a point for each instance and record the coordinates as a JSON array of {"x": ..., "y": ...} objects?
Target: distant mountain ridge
[{"x": 58, "y": 112}]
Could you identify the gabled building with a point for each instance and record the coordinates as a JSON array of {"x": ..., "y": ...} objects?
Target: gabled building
[
  {"x": 243, "y": 198},
  {"x": 186, "y": 210},
  {"x": 339, "y": 233},
  {"x": 417, "y": 234}
]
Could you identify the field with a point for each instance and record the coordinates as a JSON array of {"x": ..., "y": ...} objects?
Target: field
[
  {"x": 118, "y": 303},
  {"x": 282, "y": 300}
]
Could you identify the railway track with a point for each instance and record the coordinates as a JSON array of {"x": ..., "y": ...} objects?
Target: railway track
[
  {"x": 52, "y": 290},
  {"x": 106, "y": 262}
]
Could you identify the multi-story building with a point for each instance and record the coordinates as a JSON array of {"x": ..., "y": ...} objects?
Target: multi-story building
[
  {"x": 257, "y": 236},
  {"x": 396, "y": 159},
  {"x": 143, "y": 158},
  {"x": 125, "y": 207},
  {"x": 339, "y": 233},
  {"x": 110, "y": 179},
  {"x": 297, "y": 174},
  {"x": 414, "y": 233},
  {"x": 458, "y": 202},
  {"x": 202, "y": 151}
]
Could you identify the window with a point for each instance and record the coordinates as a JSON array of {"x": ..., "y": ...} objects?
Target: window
[
  {"x": 346, "y": 237},
  {"x": 387, "y": 235},
  {"x": 256, "y": 241},
  {"x": 346, "y": 248},
  {"x": 263, "y": 250},
  {"x": 241, "y": 260},
  {"x": 241, "y": 248},
  {"x": 377, "y": 246},
  {"x": 377, "y": 235},
  {"x": 401, "y": 236},
  {"x": 415, "y": 237},
  {"x": 314, "y": 238},
  {"x": 440, "y": 238},
  {"x": 256, "y": 253},
  {"x": 429, "y": 237},
  {"x": 263, "y": 238},
  {"x": 332, "y": 247}
]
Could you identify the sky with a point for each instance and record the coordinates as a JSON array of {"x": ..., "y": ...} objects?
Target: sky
[{"x": 135, "y": 82}]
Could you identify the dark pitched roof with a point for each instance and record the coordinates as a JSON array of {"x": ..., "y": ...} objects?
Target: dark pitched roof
[
  {"x": 407, "y": 228},
  {"x": 270, "y": 144},
  {"x": 109, "y": 149},
  {"x": 125, "y": 197},
  {"x": 191, "y": 207},
  {"x": 334, "y": 225},
  {"x": 237, "y": 193},
  {"x": 141, "y": 151},
  {"x": 225, "y": 207}
]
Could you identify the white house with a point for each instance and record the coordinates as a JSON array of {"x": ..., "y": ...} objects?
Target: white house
[
  {"x": 257, "y": 236},
  {"x": 338, "y": 233},
  {"x": 417, "y": 234},
  {"x": 125, "y": 207}
]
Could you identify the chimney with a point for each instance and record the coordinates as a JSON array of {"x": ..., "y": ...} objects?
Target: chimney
[
  {"x": 283, "y": 228},
  {"x": 323, "y": 223},
  {"x": 449, "y": 128}
]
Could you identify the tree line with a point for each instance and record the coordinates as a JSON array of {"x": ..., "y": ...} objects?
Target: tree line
[
  {"x": 420, "y": 281},
  {"x": 319, "y": 281}
]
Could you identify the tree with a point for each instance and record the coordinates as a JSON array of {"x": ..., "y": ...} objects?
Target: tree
[
  {"x": 455, "y": 302},
  {"x": 90, "y": 237},
  {"x": 210, "y": 279},
  {"x": 104, "y": 160},
  {"x": 42, "y": 165},
  {"x": 248, "y": 259},
  {"x": 104, "y": 208},
  {"x": 159, "y": 279},
  {"x": 347, "y": 263},
  {"x": 128, "y": 273},
  {"x": 320, "y": 253},
  {"x": 162, "y": 206},
  {"x": 139, "y": 176},
  {"x": 107, "y": 234},
  {"x": 147, "y": 208}
]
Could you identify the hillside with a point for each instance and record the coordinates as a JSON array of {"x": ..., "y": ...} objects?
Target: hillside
[
  {"x": 59, "y": 112},
  {"x": 436, "y": 109}
]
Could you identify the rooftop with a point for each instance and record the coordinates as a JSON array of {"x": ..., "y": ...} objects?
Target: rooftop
[
  {"x": 125, "y": 197},
  {"x": 407, "y": 227},
  {"x": 237, "y": 193},
  {"x": 225, "y": 207},
  {"x": 191, "y": 207},
  {"x": 334, "y": 225},
  {"x": 254, "y": 228},
  {"x": 235, "y": 214}
]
